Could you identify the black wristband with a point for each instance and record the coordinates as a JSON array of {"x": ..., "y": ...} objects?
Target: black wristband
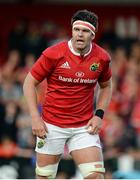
[{"x": 99, "y": 113}]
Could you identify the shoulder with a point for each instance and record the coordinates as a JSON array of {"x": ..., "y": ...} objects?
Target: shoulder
[
  {"x": 101, "y": 53},
  {"x": 56, "y": 51}
]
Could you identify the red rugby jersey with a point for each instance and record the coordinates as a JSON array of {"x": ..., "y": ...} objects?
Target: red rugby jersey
[{"x": 71, "y": 81}]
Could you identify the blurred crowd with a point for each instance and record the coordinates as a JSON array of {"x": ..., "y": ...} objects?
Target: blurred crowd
[{"x": 120, "y": 133}]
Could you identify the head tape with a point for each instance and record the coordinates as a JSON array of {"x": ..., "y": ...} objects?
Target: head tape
[{"x": 86, "y": 16}]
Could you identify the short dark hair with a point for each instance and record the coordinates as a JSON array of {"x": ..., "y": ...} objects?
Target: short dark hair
[{"x": 85, "y": 15}]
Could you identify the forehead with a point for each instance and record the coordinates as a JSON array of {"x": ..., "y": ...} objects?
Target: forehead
[{"x": 83, "y": 28}]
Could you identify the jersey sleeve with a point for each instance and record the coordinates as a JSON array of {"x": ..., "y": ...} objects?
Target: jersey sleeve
[
  {"x": 106, "y": 72},
  {"x": 47, "y": 62},
  {"x": 42, "y": 68}
]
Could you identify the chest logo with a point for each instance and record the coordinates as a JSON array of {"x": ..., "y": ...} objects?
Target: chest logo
[
  {"x": 79, "y": 74},
  {"x": 94, "y": 66},
  {"x": 65, "y": 65}
]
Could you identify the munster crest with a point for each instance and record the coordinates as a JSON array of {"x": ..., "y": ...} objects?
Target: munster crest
[
  {"x": 94, "y": 66},
  {"x": 41, "y": 143}
]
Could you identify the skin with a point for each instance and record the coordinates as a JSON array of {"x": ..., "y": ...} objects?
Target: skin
[
  {"x": 103, "y": 101},
  {"x": 81, "y": 40}
]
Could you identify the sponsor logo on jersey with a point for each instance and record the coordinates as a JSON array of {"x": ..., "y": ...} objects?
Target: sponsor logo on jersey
[
  {"x": 77, "y": 80},
  {"x": 94, "y": 66},
  {"x": 79, "y": 74},
  {"x": 65, "y": 65}
]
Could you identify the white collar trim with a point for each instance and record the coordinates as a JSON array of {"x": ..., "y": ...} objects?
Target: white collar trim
[{"x": 76, "y": 53}]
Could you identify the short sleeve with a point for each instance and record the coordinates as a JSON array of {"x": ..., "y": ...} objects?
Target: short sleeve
[
  {"x": 42, "y": 68},
  {"x": 106, "y": 72}
]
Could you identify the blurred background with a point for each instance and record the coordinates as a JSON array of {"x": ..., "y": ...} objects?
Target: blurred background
[{"x": 30, "y": 26}]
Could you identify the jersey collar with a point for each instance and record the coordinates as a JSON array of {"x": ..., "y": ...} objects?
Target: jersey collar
[{"x": 76, "y": 53}]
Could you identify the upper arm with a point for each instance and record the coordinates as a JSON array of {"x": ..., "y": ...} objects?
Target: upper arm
[
  {"x": 30, "y": 80},
  {"x": 106, "y": 71},
  {"x": 106, "y": 83}
]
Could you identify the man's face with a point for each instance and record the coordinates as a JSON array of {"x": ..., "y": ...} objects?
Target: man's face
[{"x": 81, "y": 37}]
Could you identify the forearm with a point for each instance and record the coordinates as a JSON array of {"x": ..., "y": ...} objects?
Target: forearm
[
  {"x": 29, "y": 89},
  {"x": 38, "y": 127},
  {"x": 104, "y": 96}
]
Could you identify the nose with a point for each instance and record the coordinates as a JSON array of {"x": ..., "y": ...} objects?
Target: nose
[{"x": 80, "y": 33}]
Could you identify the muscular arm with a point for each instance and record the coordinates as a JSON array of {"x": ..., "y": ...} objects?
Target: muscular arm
[
  {"x": 103, "y": 100},
  {"x": 29, "y": 89},
  {"x": 104, "y": 95}
]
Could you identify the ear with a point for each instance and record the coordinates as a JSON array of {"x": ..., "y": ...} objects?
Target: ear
[{"x": 93, "y": 36}]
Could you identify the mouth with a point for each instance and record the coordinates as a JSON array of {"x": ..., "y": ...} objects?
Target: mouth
[{"x": 80, "y": 42}]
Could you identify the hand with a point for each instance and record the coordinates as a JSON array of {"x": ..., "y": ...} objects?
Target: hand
[
  {"x": 38, "y": 127},
  {"x": 94, "y": 125}
]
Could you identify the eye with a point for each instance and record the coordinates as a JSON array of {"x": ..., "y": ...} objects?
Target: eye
[
  {"x": 76, "y": 29},
  {"x": 86, "y": 30}
]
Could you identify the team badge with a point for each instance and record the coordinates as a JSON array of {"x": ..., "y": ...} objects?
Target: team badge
[
  {"x": 94, "y": 66},
  {"x": 40, "y": 143}
]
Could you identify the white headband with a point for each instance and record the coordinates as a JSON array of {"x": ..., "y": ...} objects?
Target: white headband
[{"x": 84, "y": 24}]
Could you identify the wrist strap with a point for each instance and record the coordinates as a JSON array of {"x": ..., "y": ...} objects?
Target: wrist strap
[{"x": 99, "y": 113}]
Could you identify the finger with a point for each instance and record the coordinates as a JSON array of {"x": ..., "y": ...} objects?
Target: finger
[
  {"x": 88, "y": 124},
  {"x": 89, "y": 129},
  {"x": 46, "y": 129},
  {"x": 95, "y": 130},
  {"x": 42, "y": 131},
  {"x": 92, "y": 130},
  {"x": 34, "y": 132},
  {"x": 42, "y": 137}
]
